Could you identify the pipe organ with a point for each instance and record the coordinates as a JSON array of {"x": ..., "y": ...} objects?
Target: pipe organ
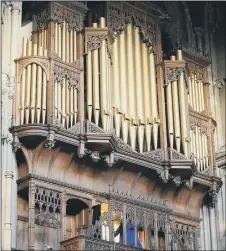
[
  {"x": 121, "y": 86},
  {"x": 49, "y": 70}
]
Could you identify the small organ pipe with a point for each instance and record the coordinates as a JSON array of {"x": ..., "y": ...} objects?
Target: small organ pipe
[
  {"x": 89, "y": 85},
  {"x": 64, "y": 42},
  {"x": 202, "y": 96},
  {"x": 153, "y": 99},
  {"x": 96, "y": 83},
  {"x": 67, "y": 44},
  {"x": 75, "y": 104},
  {"x": 23, "y": 81},
  {"x": 199, "y": 96},
  {"x": 190, "y": 100},
  {"x": 56, "y": 38},
  {"x": 197, "y": 147},
  {"x": 206, "y": 151},
  {"x": 63, "y": 101},
  {"x": 67, "y": 104},
  {"x": 39, "y": 88},
  {"x": 33, "y": 90},
  {"x": 56, "y": 99},
  {"x": 176, "y": 116},
  {"x": 59, "y": 101},
  {"x": 44, "y": 95},
  {"x": 75, "y": 46},
  {"x": 203, "y": 150},
  {"x": 196, "y": 94},
  {"x": 183, "y": 113},
  {"x": 45, "y": 39},
  {"x": 170, "y": 114},
  {"x": 59, "y": 40},
  {"x": 71, "y": 46},
  {"x": 28, "y": 81},
  {"x": 71, "y": 106},
  {"x": 24, "y": 49}
]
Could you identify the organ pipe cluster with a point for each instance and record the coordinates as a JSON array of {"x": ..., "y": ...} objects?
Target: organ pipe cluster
[
  {"x": 177, "y": 112},
  {"x": 65, "y": 42},
  {"x": 199, "y": 148},
  {"x": 66, "y": 101},
  {"x": 121, "y": 91},
  {"x": 33, "y": 86}
]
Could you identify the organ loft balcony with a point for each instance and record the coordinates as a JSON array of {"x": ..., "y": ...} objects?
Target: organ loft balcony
[{"x": 94, "y": 79}]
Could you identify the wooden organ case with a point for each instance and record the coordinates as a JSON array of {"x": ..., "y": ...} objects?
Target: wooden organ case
[{"x": 97, "y": 105}]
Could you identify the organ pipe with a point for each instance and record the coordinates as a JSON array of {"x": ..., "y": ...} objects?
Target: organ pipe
[
  {"x": 75, "y": 105},
  {"x": 138, "y": 83},
  {"x": 67, "y": 104},
  {"x": 75, "y": 46},
  {"x": 39, "y": 88},
  {"x": 28, "y": 81},
  {"x": 153, "y": 99},
  {"x": 170, "y": 114},
  {"x": 103, "y": 78},
  {"x": 89, "y": 85},
  {"x": 59, "y": 100},
  {"x": 115, "y": 86},
  {"x": 59, "y": 40},
  {"x": 64, "y": 42},
  {"x": 123, "y": 88},
  {"x": 56, "y": 38},
  {"x": 183, "y": 113},
  {"x": 71, "y": 46},
  {"x": 146, "y": 93},
  {"x": 63, "y": 101},
  {"x": 71, "y": 106},
  {"x": 176, "y": 116},
  {"x": 22, "y": 96},
  {"x": 67, "y": 44},
  {"x": 95, "y": 69},
  {"x": 44, "y": 95}
]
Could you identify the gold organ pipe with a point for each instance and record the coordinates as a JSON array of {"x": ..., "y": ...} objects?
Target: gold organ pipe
[
  {"x": 44, "y": 95},
  {"x": 45, "y": 39},
  {"x": 67, "y": 43},
  {"x": 200, "y": 149},
  {"x": 71, "y": 105},
  {"x": 56, "y": 37},
  {"x": 154, "y": 110},
  {"x": 23, "y": 80},
  {"x": 203, "y": 150},
  {"x": 131, "y": 87},
  {"x": 39, "y": 38},
  {"x": 56, "y": 99},
  {"x": 115, "y": 86},
  {"x": 39, "y": 87},
  {"x": 64, "y": 42},
  {"x": 199, "y": 96},
  {"x": 31, "y": 100},
  {"x": 196, "y": 94},
  {"x": 75, "y": 46},
  {"x": 109, "y": 84},
  {"x": 63, "y": 100},
  {"x": 28, "y": 82},
  {"x": 67, "y": 104},
  {"x": 89, "y": 85},
  {"x": 197, "y": 147},
  {"x": 206, "y": 150},
  {"x": 75, "y": 104},
  {"x": 59, "y": 40},
  {"x": 130, "y": 73},
  {"x": 103, "y": 78},
  {"x": 123, "y": 89},
  {"x": 193, "y": 92},
  {"x": 202, "y": 96},
  {"x": 138, "y": 88},
  {"x": 35, "y": 37},
  {"x": 190, "y": 98},
  {"x": 176, "y": 116},
  {"x": 194, "y": 146},
  {"x": 170, "y": 114},
  {"x": 59, "y": 101},
  {"x": 183, "y": 112},
  {"x": 96, "y": 83},
  {"x": 146, "y": 93},
  {"x": 71, "y": 45}
]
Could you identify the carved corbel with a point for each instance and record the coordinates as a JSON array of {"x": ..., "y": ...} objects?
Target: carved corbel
[
  {"x": 220, "y": 82},
  {"x": 213, "y": 194},
  {"x": 110, "y": 159},
  {"x": 164, "y": 175},
  {"x": 189, "y": 183},
  {"x": 15, "y": 143},
  {"x": 95, "y": 156},
  {"x": 172, "y": 74},
  {"x": 81, "y": 150},
  {"x": 176, "y": 179},
  {"x": 50, "y": 142}
]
